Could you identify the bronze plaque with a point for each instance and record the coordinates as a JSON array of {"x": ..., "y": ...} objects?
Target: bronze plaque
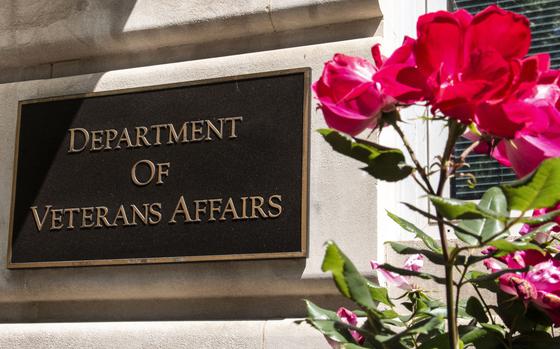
[{"x": 197, "y": 171}]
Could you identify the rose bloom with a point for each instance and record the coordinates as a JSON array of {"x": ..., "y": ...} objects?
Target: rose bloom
[
  {"x": 459, "y": 61},
  {"x": 540, "y": 138},
  {"x": 413, "y": 263},
  {"x": 349, "y": 98},
  {"x": 350, "y": 318},
  {"x": 474, "y": 69},
  {"x": 540, "y": 285}
]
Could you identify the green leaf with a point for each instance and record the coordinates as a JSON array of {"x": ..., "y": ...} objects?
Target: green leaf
[
  {"x": 536, "y": 340},
  {"x": 537, "y": 190},
  {"x": 406, "y": 272},
  {"x": 540, "y": 219},
  {"x": 545, "y": 228},
  {"x": 483, "y": 280},
  {"x": 379, "y": 294},
  {"x": 431, "y": 216},
  {"x": 406, "y": 225},
  {"x": 347, "y": 278},
  {"x": 506, "y": 247},
  {"x": 441, "y": 341},
  {"x": 483, "y": 229},
  {"x": 434, "y": 257},
  {"x": 318, "y": 313},
  {"x": 481, "y": 338},
  {"x": 352, "y": 346},
  {"x": 454, "y": 208},
  {"x": 421, "y": 327},
  {"x": 475, "y": 309},
  {"x": 382, "y": 163},
  {"x": 325, "y": 320},
  {"x": 334, "y": 262}
]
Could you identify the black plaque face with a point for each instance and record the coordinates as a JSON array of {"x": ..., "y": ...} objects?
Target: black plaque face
[{"x": 206, "y": 170}]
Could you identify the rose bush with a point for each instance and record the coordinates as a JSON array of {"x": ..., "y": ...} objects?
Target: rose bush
[{"x": 474, "y": 74}]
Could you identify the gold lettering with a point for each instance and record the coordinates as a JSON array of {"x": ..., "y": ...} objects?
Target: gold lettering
[
  {"x": 136, "y": 212},
  {"x": 210, "y": 126},
  {"x": 70, "y": 212},
  {"x": 233, "y": 120},
  {"x": 56, "y": 219},
  {"x": 275, "y": 205},
  {"x": 174, "y": 137},
  {"x": 214, "y": 208},
  {"x": 135, "y": 180},
  {"x": 258, "y": 207},
  {"x": 229, "y": 208},
  {"x": 87, "y": 217},
  {"x": 102, "y": 212},
  {"x": 158, "y": 132},
  {"x": 155, "y": 211},
  {"x": 181, "y": 208},
  {"x": 141, "y": 136},
  {"x": 198, "y": 209},
  {"x": 96, "y": 140},
  {"x": 196, "y": 130},
  {"x": 163, "y": 169},
  {"x": 110, "y": 135},
  {"x": 244, "y": 207},
  {"x": 125, "y": 137},
  {"x": 72, "y": 146},
  {"x": 39, "y": 222},
  {"x": 121, "y": 214}
]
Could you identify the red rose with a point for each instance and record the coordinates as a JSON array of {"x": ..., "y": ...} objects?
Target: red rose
[{"x": 459, "y": 62}]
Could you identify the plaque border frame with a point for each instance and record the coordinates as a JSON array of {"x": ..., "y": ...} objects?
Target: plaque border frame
[{"x": 303, "y": 253}]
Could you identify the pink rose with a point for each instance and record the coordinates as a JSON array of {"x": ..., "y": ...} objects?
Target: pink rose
[
  {"x": 349, "y": 98},
  {"x": 350, "y": 318},
  {"x": 528, "y": 119},
  {"x": 542, "y": 237},
  {"x": 413, "y": 263},
  {"x": 540, "y": 285},
  {"x": 539, "y": 139}
]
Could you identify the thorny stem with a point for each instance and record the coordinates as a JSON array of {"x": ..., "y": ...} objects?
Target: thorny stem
[
  {"x": 419, "y": 183},
  {"x": 455, "y": 130},
  {"x": 428, "y": 188}
]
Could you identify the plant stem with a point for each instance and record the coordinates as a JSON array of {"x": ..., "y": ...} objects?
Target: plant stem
[
  {"x": 486, "y": 307},
  {"x": 451, "y": 313},
  {"x": 459, "y": 284},
  {"x": 428, "y": 188},
  {"x": 455, "y": 130}
]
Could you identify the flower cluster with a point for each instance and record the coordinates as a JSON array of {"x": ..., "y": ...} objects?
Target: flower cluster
[{"x": 473, "y": 69}]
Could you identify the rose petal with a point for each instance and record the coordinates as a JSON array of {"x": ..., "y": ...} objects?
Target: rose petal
[{"x": 496, "y": 29}]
